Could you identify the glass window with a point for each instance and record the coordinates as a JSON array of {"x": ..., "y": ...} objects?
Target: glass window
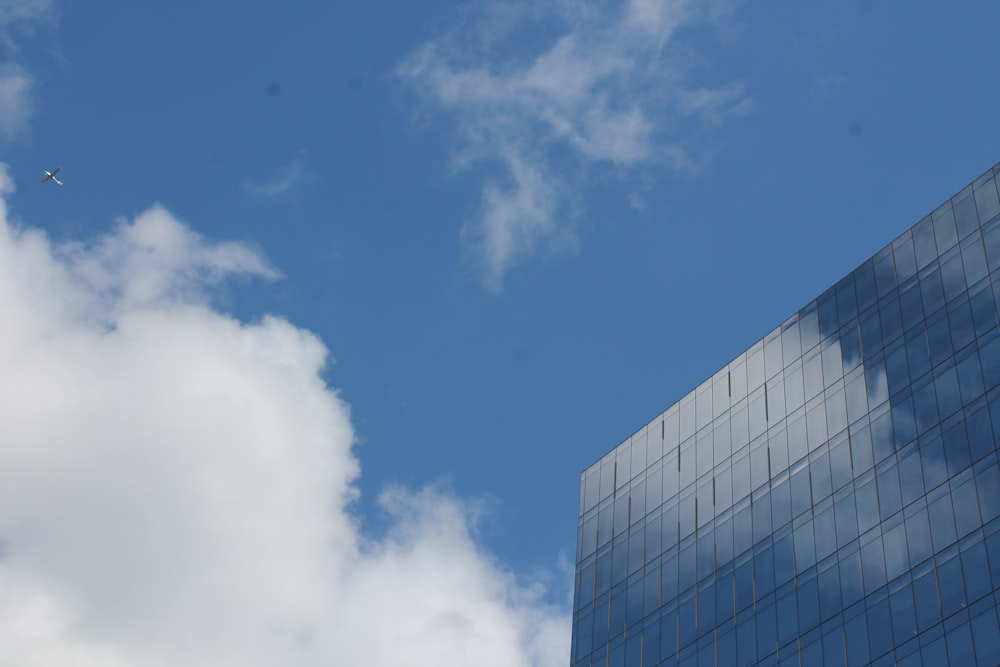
[
  {"x": 976, "y": 568},
  {"x": 932, "y": 460},
  {"x": 847, "y": 302},
  {"x": 963, "y": 330},
  {"x": 809, "y": 328},
  {"x": 866, "y": 499},
  {"x": 956, "y": 447},
  {"x": 833, "y": 368},
  {"x": 963, "y": 495},
  {"x": 988, "y": 486},
  {"x": 891, "y": 320},
  {"x": 906, "y": 261},
  {"x": 923, "y": 243},
  {"x": 873, "y": 565},
  {"x": 894, "y": 546},
  {"x": 965, "y": 216},
  {"x": 911, "y": 477},
  {"x": 918, "y": 536},
  {"x": 942, "y": 522},
  {"x": 986, "y": 200},
  {"x": 925, "y": 598},
  {"x": 759, "y": 465},
  {"x": 738, "y": 380},
  {"x": 904, "y": 621},
  {"x": 960, "y": 645},
  {"x": 816, "y": 423},
  {"x": 761, "y": 510},
  {"x": 800, "y": 488},
  {"x": 944, "y": 227},
  {"x": 861, "y": 448},
  {"x": 889, "y": 498},
  {"x": 822, "y": 483},
  {"x": 791, "y": 345},
  {"x": 840, "y": 462},
  {"x": 970, "y": 376},
  {"x": 885, "y": 271},
  {"x": 687, "y": 417},
  {"x": 805, "y": 545},
  {"x": 825, "y": 525},
  {"x": 828, "y": 582},
  {"x": 946, "y": 386},
  {"x": 794, "y": 391},
  {"x": 925, "y": 405},
  {"x": 851, "y": 582},
  {"x": 755, "y": 366},
  {"x": 952, "y": 275},
  {"x": 986, "y": 638},
  {"x": 991, "y": 242},
  {"x": 847, "y": 520},
  {"x": 974, "y": 259},
  {"x": 911, "y": 305}
]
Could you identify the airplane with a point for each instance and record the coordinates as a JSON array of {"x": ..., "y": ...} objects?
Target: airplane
[{"x": 51, "y": 176}]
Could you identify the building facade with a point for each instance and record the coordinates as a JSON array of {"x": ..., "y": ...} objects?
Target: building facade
[{"x": 831, "y": 496}]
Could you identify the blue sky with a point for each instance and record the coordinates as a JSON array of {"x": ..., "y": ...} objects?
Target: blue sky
[{"x": 520, "y": 229}]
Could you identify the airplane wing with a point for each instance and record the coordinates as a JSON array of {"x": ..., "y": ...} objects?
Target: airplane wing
[{"x": 56, "y": 170}]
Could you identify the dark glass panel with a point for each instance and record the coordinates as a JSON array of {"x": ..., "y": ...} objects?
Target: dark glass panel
[
  {"x": 784, "y": 559},
  {"x": 976, "y": 568},
  {"x": 891, "y": 319},
  {"x": 962, "y": 326},
  {"x": 960, "y": 650},
  {"x": 939, "y": 338},
  {"x": 879, "y": 627},
  {"x": 918, "y": 536},
  {"x": 856, "y": 631},
  {"x": 979, "y": 430},
  {"x": 946, "y": 386},
  {"x": 963, "y": 497},
  {"x": 925, "y": 405},
  {"x": 932, "y": 459},
  {"x": 988, "y": 487},
  {"x": 904, "y": 621},
  {"x": 808, "y": 604},
  {"x": 925, "y": 598},
  {"x": 942, "y": 522},
  {"x": 956, "y": 447},
  {"x": 830, "y": 602},
  {"x": 904, "y": 426},
  {"x": 788, "y": 618},
  {"x": 970, "y": 376},
  {"x": 911, "y": 477},
  {"x": 986, "y": 638}
]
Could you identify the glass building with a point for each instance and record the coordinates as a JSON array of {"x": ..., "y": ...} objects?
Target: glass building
[{"x": 832, "y": 495}]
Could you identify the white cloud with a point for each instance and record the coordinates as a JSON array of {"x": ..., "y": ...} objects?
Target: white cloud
[
  {"x": 176, "y": 485},
  {"x": 604, "y": 88},
  {"x": 15, "y": 99},
  {"x": 280, "y": 184}
]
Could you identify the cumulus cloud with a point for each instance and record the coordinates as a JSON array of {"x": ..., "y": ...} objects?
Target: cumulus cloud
[
  {"x": 603, "y": 85},
  {"x": 177, "y": 485}
]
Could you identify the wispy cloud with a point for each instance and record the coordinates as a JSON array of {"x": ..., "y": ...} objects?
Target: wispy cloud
[
  {"x": 286, "y": 177},
  {"x": 17, "y": 17},
  {"x": 177, "y": 485},
  {"x": 15, "y": 99},
  {"x": 589, "y": 81}
]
